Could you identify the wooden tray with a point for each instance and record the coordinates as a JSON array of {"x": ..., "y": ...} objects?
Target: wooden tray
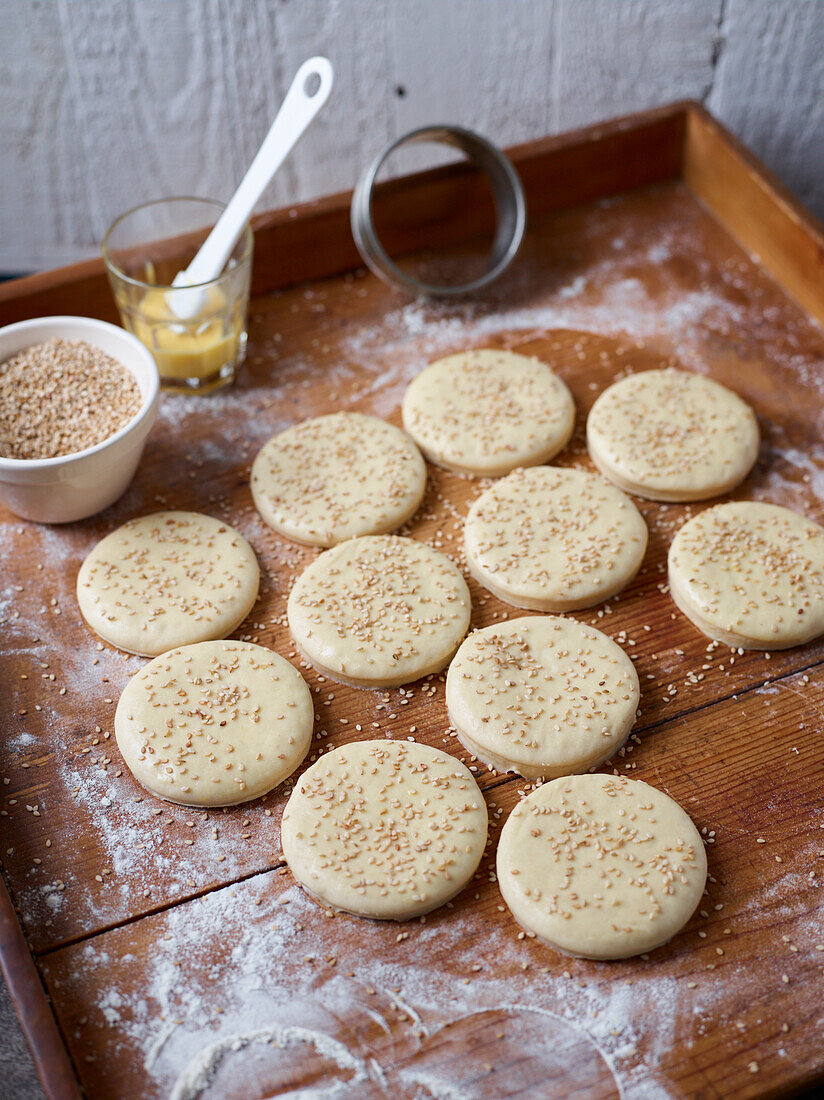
[{"x": 143, "y": 933}]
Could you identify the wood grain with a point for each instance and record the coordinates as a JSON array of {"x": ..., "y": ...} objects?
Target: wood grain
[
  {"x": 606, "y": 45},
  {"x": 100, "y": 879},
  {"x": 57, "y": 768},
  {"x": 756, "y": 210},
  {"x": 52, "y": 1063},
  {"x": 759, "y": 80},
  {"x": 726, "y": 972},
  {"x": 102, "y": 109},
  {"x": 429, "y": 207}
]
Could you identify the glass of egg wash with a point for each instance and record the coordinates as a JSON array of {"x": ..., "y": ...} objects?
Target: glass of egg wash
[{"x": 143, "y": 251}]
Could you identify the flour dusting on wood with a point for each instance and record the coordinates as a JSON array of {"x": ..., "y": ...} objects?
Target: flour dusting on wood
[{"x": 253, "y": 982}]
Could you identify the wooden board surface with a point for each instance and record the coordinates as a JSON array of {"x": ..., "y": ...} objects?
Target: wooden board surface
[
  {"x": 462, "y": 1002},
  {"x": 143, "y": 973}
]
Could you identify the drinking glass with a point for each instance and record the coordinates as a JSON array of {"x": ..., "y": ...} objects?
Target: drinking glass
[{"x": 143, "y": 251}]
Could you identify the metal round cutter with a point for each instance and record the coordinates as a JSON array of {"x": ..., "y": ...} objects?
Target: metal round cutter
[{"x": 510, "y": 210}]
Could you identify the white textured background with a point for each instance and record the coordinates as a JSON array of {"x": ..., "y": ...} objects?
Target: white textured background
[{"x": 107, "y": 103}]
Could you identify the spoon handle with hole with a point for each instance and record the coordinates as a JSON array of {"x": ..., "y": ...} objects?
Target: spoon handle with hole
[{"x": 299, "y": 108}]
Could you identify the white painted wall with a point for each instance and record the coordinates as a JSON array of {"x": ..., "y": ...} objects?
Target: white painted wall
[{"x": 106, "y": 103}]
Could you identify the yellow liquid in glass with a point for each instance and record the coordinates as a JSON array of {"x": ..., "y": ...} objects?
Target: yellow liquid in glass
[{"x": 197, "y": 348}]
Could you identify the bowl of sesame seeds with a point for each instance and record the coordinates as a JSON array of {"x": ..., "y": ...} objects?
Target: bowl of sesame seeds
[{"x": 78, "y": 398}]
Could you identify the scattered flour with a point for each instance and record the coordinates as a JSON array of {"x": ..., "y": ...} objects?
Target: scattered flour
[
  {"x": 196, "y": 1076},
  {"x": 379, "y": 1012},
  {"x": 186, "y": 1019}
]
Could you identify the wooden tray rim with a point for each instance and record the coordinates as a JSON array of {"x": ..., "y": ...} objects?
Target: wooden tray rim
[{"x": 38, "y": 1022}]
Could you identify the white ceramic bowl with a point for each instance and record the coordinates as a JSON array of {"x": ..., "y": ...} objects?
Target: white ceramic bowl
[{"x": 72, "y": 487}]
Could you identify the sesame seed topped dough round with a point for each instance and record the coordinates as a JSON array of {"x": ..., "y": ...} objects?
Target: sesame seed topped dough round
[
  {"x": 167, "y": 579},
  {"x": 750, "y": 574},
  {"x": 601, "y": 866},
  {"x": 542, "y": 696},
  {"x": 338, "y": 476},
  {"x": 215, "y": 723},
  {"x": 485, "y": 412},
  {"x": 379, "y": 611},
  {"x": 385, "y": 829},
  {"x": 671, "y": 435},
  {"x": 554, "y": 539}
]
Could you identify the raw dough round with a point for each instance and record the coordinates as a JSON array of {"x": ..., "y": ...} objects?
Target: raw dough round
[
  {"x": 215, "y": 723},
  {"x": 379, "y": 611},
  {"x": 553, "y": 539},
  {"x": 338, "y": 476},
  {"x": 168, "y": 579},
  {"x": 541, "y": 696},
  {"x": 670, "y": 435},
  {"x": 751, "y": 575},
  {"x": 601, "y": 866},
  {"x": 385, "y": 829},
  {"x": 486, "y": 412}
]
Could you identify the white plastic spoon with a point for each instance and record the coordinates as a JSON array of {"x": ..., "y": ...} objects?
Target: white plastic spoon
[{"x": 298, "y": 109}]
